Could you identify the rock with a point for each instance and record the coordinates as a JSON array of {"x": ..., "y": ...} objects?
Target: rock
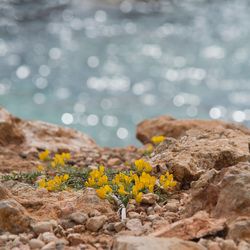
[
  {"x": 226, "y": 194},
  {"x": 4, "y": 193},
  {"x": 114, "y": 161},
  {"x": 13, "y": 217},
  {"x": 36, "y": 243},
  {"x": 134, "y": 225},
  {"x": 149, "y": 198},
  {"x": 118, "y": 226},
  {"x": 239, "y": 230},
  {"x": 42, "y": 227},
  {"x": 49, "y": 246},
  {"x": 79, "y": 228},
  {"x": 75, "y": 239},
  {"x": 78, "y": 217},
  {"x": 149, "y": 243},
  {"x": 199, "y": 151},
  {"x": 48, "y": 237},
  {"x": 196, "y": 227},
  {"x": 153, "y": 217},
  {"x": 95, "y": 223},
  {"x": 244, "y": 246},
  {"x": 133, "y": 215},
  {"x": 170, "y": 127}
]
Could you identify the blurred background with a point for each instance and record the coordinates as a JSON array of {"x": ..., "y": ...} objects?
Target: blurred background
[{"x": 102, "y": 67}]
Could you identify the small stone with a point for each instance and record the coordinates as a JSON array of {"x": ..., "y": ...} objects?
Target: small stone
[
  {"x": 65, "y": 223},
  {"x": 75, "y": 239},
  {"x": 134, "y": 225},
  {"x": 95, "y": 223},
  {"x": 133, "y": 215},
  {"x": 79, "y": 228},
  {"x": 48, "y": 237},
  {"x": 42, "y": 227},
  {"x": 150, "y": 210},
  {"x": 149, "y": 198},
  {"x": 110, "y": 227},
  {"x": 158, "y": 208},
  {"x": 114, "y": 161},
  {"x": 118, "y": 226},
  {"x": 35, "y": 243},
  {"x": 94, "y": 213},
  {"x": 50, "y": 246},
  {"x": 153, "y": 217},
  {"x": 78, "y": 217}
]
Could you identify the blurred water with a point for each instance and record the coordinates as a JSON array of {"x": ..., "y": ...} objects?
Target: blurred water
[{"x": 103, "y": 68}]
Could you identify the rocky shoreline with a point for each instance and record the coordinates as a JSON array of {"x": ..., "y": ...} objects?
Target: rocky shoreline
[{"x": 209, "y": 209}]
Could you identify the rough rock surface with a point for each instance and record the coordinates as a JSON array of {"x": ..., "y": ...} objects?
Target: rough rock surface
[
  {"x": 200, "y": 151},
  {"x": 149, "y": 243},
  {"x": 13, "y": 217},
  {"x": 170, "y": 127}
]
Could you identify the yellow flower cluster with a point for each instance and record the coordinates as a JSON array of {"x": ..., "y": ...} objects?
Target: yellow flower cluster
[
  {"x": 142, "y": 165},
  {"x": 53, "y": 184},
  {"x": 167, "y": 181},
  {"x": 59, "y": 159},
  {"x": 97, "y": 178},
  {"x": 158, "y": 139},
  {"x": 102, "y": 192},
  {"x": 44, "y": 156},
  {"x": 128, "y": 185}
]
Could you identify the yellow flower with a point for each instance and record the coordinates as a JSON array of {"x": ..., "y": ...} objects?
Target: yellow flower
[
  {"x": 40, "y": 168},
  {"x": 142, "y": 165},
  {"x": 65, "y": 177},
  {"x": 167, "y": 180},
  {"x": 158, "y": 139},
  {"x": 66, "y": 156},
  {"x": 103, "y": 191},
  {"x": 139, "y": 164},
  {"x": 122, "y": 191},
  {"x": 44, "y": 156},
  {"x": 42, "y": 183},
  {"x": 138, "y": 197}
]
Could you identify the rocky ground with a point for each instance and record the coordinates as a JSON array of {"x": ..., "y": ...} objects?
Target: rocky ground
[{"x": 210, "y": 209}]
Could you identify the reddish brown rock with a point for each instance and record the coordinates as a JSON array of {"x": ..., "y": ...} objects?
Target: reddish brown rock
[
  {"x": 170, "y": 127},
  {"x": 195, "y": 227},
  {"x": 190, "y": 156},
  {"x": 149, "y": 243},
  {"x": 226, "y": 194},
  {"x": 13, "y": 217}
]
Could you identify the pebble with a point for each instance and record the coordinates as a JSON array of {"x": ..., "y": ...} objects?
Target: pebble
[
  {"x": 95, "y": 223},
  {"x": 114, "y": 161},
  {"x": 133, "y": 215},
  {"x": 50, "y": 246},
  {"x": 74, "y": 239},
  {"x": 134, "y": 225},
  {"x": 118, "y": 226},
  {"x": 42, "y": 227},
  {"x": 149, "y": 198},
  {"x": 36, "y": 243},
  {"x": 153, "y": 217},
  {"x": 79, "y": 228},
  {"x": 78, "y": 217},
  {"x": 94, "y": 213},
  {"x": 150, "y": 210},
  {"x": 49, "y": 237}
]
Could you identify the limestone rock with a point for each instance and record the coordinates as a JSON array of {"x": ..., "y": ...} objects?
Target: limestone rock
[
  {"x": 36, "y": 244},
  {"x": 78, "y": 217},
  {"x": 13, "y": 217},
  {"x": 42, "y": 227},
  {"x": 195, "y": 227},
  {"x": 134, "y": 225},
  {"x": 199, "y": 151},
  {"x": 170, "y": 127},
  {"x": 149, "y": 243},
  {"x": 75, "y": 239},
  {"x": 149, "y": 198},
  {"x": 95, "y": 223},
  {"x": 225, "y": 195},
  {"x": 239, "y": 230}
]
